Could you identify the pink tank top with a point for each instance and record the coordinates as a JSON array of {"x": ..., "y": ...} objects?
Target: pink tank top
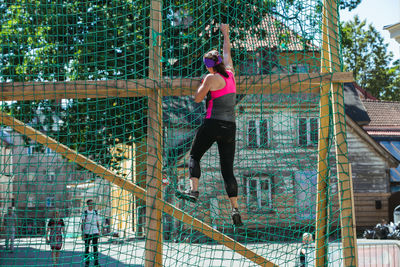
[{"x": 221, "y": 103}]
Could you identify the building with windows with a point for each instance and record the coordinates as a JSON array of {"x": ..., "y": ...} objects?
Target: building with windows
[
  {"x": 6, "y": 174},
  {"x": 384, "y": 128},
  {"x": 394, "y": 30},
  {"x": 39, "y": 184},
  {"x": 275, "y": 164},
  {"x": 276, "y": 158}
]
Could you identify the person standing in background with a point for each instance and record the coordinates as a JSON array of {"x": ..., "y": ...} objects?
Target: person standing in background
[
  {"x": 54, "y": 236},
  {"x": 90, "y": 232},
  {"x": 10, "y": 226},
  {"x": 306, "y": 251}
]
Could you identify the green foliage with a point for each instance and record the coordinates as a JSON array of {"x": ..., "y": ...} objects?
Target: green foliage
[
  {"x": 186, "y": 21},
  {"x": 365, "y": 54},
  {"x": 97, "y": 40},
  {"x": 78, "y": 40},
  {"x": 349, "y": 4},
  {"x": 93, "y": 126},
  {"x": 60, "y": 40},
  {"x": 74, "y": 40},
  {"x": 392, "y": 92}
]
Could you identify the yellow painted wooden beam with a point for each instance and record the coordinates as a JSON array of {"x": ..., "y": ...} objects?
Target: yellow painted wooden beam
[
  {"x": 256, "y": 84},
  {"x": 138, "y": 191}
]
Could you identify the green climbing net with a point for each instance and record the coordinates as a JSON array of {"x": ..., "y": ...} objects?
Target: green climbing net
[{"x": 81, "y": 75}]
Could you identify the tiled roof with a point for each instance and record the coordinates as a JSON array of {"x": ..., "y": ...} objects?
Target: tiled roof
[
  {"x": 384, "y": 115},
  {"x": 272, "y": 33}
]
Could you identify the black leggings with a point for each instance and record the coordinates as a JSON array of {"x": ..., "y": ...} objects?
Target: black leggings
[{"x": 223, "y": 132}]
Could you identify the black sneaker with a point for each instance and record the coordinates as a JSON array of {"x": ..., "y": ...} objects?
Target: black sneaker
[
  {"x": 188, "y": 195},
  {"x": 237, "y": 220}
]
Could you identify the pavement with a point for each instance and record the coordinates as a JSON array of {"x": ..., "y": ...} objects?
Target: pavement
[{"x": 35, "y": 252}]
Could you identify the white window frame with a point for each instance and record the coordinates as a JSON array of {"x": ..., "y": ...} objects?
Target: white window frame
[
  {"x": 308, "y": 131},
  {"x": 140, "y": 220},
  {"x": 305, "y": 192},
  {"x": 50, "y": 202},
  {"x": 249, "y": 67},
  {"x": 258, "y": 133},
  {"x": 31, "y": 176},
  {"x": 259, "y": 194},
  {"x": 6, "y": 161},
  {"x": 30, "y": 150},
  {"x": 31, "y": 202},
  {"x": 305, "y": 68},
  {"x": 51, "y": 176},
  {"x": 267, "y": 60}
]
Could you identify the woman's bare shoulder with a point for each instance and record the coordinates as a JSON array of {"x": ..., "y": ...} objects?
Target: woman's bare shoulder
[
  {"x": 217, "y": 82},
  {"x": 231, "y": 69}
]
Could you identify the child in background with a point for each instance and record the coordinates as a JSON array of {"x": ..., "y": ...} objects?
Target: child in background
[{"x": 305, "y": 251}]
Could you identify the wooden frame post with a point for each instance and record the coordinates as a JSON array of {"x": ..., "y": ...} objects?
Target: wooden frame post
[
  {"x": 354, "y": 217},
  {"x": 323, "y": 143},
  {"x": 329, "y": 63},
  {"x": 349, "y": 241},
  {"x": 154, "y": 234}
]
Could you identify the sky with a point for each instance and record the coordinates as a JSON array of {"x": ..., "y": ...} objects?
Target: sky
[{"x": 379, "y": 13}]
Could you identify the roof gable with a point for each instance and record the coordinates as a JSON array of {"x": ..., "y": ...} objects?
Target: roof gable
[
  {"x": 393, "y": 162},
  {"x": 272, "y": 33}
]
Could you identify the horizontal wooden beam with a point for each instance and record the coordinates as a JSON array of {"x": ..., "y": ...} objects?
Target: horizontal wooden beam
[
  {"x": 255, "y": 84},
  {"x": 138, "y": 191}
]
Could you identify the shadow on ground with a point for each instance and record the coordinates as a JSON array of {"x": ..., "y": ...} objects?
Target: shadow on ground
[{"x": 27, "y": 256}]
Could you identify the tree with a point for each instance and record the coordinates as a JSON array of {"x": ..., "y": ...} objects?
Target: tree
[
  {"x": 191, "y": 29},
  {"x": 98, "y": 40},
  {"x": 349, "y": 4},
  {"x": 78, "y": 40},
  {"x": 392, "y": 92},
  {"x": 365, "y": 54}
]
